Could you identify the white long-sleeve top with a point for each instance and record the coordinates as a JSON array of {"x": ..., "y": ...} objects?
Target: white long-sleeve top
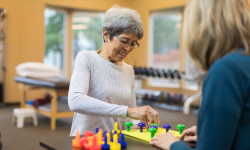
[{"x": 100, "y": 93}]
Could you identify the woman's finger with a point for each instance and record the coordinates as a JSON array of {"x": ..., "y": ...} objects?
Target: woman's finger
[
  {"x": 182, "y": 135},
  {"x": 154, "y": 114},
  {"x": 158, "y": 121},
  {"x": 153, "y": 142},
  {"x": 145, "y": 121},
  {"x": 190, "y": 131},
  {"x": 190, "y": 139},
  {"x": 150, "y": 118},
  {"x": 154, "y": 138}
]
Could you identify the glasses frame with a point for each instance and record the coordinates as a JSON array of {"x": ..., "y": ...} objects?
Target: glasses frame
[{"x": 129, "y": 44}]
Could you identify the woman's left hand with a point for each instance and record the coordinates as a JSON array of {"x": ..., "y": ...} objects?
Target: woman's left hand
[{"x": 164, "y": 141}]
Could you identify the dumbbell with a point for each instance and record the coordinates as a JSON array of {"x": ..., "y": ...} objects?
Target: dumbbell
[
  {"x": 181, "y": 96},
  {"x": 145, "y": 97},
  {"x": 165, "y": 73},
  {"x": 172, "y": 100},
  {"x": 154, "y": 98},
  {"x": 146, "y": 71},
  {"x": 136, "y": 71},
  {"x": 158, "y": 73},
  {"x": 162, "y": 97},
  {"x": 175, "y": 98},
  {"x": 171, "y": 73},
  {"x": 151, "y": 70},
  {"x": 178, "y": 99},
  {"x": 140, "y": 71},
  {"x": 168, "y": 99},
  {"x": 177, "y": 74}
]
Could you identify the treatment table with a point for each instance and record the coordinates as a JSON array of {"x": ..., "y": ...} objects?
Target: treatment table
[{"x": 55, "y": 87}]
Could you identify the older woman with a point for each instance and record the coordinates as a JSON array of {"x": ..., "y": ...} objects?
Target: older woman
[
  {"x": 102, "y": 88},
  {"x": 217, "y": 36}
]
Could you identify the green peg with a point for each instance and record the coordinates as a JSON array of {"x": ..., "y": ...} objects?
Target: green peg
[
  {"x": 180, "y": 127},
  {"x": 152, "y": 130},
  {"x": 128, "y": 124},
  {"x": 154, "y": 124}
]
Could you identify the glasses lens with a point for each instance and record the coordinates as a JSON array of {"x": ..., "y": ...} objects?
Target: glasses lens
[
  {"x": 124, "y": 44},
  {"x": 127, "y": 44}
]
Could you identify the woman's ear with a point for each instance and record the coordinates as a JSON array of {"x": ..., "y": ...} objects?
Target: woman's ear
[{"x": 105, "y": 35}]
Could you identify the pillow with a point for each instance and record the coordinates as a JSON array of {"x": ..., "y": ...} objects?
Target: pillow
[
  {"x": 37, "y": 70},
  {"x": 36, "y": 66}
]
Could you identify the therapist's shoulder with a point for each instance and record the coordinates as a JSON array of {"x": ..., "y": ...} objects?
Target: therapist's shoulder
[{"x": 232, "y": 62}]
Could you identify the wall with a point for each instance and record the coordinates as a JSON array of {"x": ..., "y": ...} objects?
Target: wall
[{"x": 25, "y": 33}]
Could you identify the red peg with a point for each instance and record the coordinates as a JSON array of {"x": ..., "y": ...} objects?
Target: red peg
[
  {"x": 87, "y": 134},
  {"x": 95, "y": 145},
  {"x": 84, "y": 143}
]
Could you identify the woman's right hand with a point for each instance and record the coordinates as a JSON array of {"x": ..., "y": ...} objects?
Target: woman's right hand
[
  {"x": 190, "y": 133},
  {"x": 146, "y": 113}
]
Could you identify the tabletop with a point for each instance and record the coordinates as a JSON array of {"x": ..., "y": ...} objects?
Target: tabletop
[{"x": 65, "y": 143}]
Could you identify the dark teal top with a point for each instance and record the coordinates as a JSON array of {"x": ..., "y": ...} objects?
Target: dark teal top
[{"x": 224, "y": 115}]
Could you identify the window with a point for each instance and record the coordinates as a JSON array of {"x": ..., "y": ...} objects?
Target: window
[
  {"x": 165, "y": 27},
  {"x": 191, "y": 72},
  {"x": 55, "y": 30},
  {"x": 87, "y": 32}
]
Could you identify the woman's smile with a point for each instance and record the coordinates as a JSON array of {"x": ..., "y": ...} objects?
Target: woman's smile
[{"x": 121, "y": 54}]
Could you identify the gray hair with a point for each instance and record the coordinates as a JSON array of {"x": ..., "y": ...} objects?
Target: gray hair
[{"x": 119, "y": 20}]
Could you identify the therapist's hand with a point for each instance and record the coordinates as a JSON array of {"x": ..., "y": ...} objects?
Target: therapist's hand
[
  {"x": 164, "y": 141},
  {"x": 189, "y": 134},
  {"x": 146, "y": 113}
]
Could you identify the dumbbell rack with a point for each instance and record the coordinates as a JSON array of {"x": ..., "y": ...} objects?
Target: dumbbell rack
[
  {"x": 181, "y": 104},
  {"x": 143, "y": 72}
]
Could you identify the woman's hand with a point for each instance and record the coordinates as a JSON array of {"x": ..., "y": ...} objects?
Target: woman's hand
[
  {"x": 146, "y": 113},
  {"x": 190, "y": 133},
  {"x": 164, "y": 141},
  {"x": 135, "y": 126}
]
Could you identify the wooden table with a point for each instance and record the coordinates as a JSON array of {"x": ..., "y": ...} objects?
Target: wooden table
[
  {"x": 65, "y": 143},
  {"x": 56, "y": 87}
]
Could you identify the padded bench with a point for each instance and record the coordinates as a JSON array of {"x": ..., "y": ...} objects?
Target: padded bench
[{"x": 56, "y": 87}]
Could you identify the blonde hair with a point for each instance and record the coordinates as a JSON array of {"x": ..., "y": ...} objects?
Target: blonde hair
[{"x": 215, "y": 28}]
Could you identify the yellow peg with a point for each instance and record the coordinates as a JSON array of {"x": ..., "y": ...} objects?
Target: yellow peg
[
  {"x": 108, "y": 138},
  {"x": 100, "y": 142},
  {"x": 115, "y": 145},
  {"x": 116, "y": 128}
]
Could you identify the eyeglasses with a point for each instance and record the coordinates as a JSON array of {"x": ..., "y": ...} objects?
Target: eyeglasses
[{"x": 126, "y": 44}]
